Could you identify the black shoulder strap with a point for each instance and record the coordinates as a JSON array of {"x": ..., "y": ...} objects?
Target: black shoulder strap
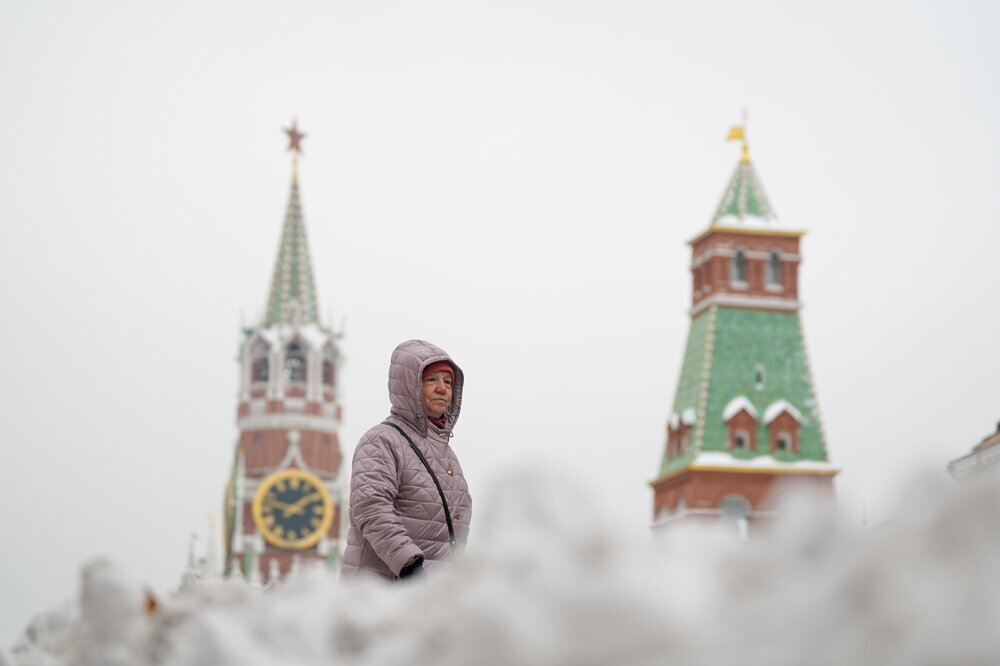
[{"x": 444, "y": 502}]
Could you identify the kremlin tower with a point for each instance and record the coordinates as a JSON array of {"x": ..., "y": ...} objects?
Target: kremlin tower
[
  {"x": 283, "y": 504},
  {"x": 745, "y": 415}
]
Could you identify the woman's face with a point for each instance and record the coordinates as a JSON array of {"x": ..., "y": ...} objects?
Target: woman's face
[{"x": 437, "y": 393}]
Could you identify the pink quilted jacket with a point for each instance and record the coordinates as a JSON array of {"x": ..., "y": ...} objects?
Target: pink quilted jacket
[{"x": 396, "y": 511}]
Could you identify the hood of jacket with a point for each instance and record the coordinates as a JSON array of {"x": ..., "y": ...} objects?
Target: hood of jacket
[{"x": 406, "y": 370}]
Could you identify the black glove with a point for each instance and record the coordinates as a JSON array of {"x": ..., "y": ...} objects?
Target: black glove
[{"x": 414, "y": 567}]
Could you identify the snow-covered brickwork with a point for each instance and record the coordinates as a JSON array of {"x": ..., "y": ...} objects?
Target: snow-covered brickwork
[
  {"x": 553, "y": 581},
  {"x": 688, "y": 416},
  {"x": 737, "y": 404},
  {"x": 779, "y": 407},
  {"x": 717, "y": 459}
]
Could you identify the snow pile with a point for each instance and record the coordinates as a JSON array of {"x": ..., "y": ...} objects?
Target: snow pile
[{"x": 551, "y": 581}]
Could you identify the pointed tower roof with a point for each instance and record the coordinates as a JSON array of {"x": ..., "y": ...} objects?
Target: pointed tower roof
[
  {"x": 292, "y": 299},
  {"x": 744, "y": 198},
  {"x": 744, "y": 202}
]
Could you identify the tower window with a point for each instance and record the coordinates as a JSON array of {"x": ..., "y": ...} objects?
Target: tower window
[
  {"x": 259, "y": 369},
  {"x": 758, "y": 377},
  {"x": 739, "y": 266},
  {"x": 783, "y": 442},
  {"x": 328, "y": 367},
  {"x": 295, "y": 363},
  {"x": 735, "y": 513},
  {"x": 774, "y": 269},
  {"x": 741, "y": 441}
]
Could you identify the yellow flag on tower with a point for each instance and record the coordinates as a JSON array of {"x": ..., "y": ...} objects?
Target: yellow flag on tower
[{"x": 735, "y": 133}]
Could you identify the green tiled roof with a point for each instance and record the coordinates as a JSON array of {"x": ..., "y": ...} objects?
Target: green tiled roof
[
  {"x": 744, "y": 196},
  {"x": 724, "y": 350},
  {"x": 692, "y": 389},
  {"x": 293, "y": 297}
]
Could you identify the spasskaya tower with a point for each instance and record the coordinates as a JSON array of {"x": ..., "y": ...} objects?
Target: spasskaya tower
[{"x": 283, "y": 500}]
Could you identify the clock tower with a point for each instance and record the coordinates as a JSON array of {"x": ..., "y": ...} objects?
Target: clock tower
[
  {"x": 745, "y": 416},
  {"x": 283, "y": 505}
]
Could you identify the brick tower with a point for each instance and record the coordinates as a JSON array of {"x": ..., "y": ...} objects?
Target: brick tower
[
  {"x": 283, "y": 503},
  {"x": 745, "y": 413}
]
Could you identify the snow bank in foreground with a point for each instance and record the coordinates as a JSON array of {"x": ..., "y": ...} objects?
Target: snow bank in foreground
[{"x": 551, "y": 582}]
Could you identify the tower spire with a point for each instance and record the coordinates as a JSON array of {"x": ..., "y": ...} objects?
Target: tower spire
[
  {"x": 292, "y": 299},
  {"x": 739, "y": 133},
  {"x": 744, "y": 200},
  {"x": 295, "y": 146},
  {"x": 288, "y": 392}
]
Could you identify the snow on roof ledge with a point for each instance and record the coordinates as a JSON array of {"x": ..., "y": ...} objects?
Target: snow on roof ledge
[
  {"x": 750, "y": 222},
  {"x": 269, "y": 335},
  {"x": 776, "y": 408},
  {"x": 738, "y": 403},
  {"x": 688, "y": 416},
  {"x": 710, "y": 459},
  {"x": 311, "y": 334},
  {"x": 314, "y": 336}
]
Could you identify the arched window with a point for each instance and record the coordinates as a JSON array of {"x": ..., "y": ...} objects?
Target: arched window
[
  {"x": 783, "y": 442},
  {"x": 758, "y": 377},
  {"x": 774, "y": 269},
  {"x": 735, "y": 510},
  {"x": 259, "y": 369},
  {"x": 739, "y": 266},
  {"x": 328, "y": 357},
  {"x": 741, "y": 441},
  {"x": 295, "y": 363}
]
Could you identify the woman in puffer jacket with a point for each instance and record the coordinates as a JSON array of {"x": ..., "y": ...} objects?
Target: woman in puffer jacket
[{"x": 398, "y": 523}]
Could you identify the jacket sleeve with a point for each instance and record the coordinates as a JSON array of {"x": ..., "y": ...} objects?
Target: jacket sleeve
[{"x": 374, "y": 487}]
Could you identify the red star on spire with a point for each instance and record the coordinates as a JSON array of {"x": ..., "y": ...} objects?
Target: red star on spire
[{"x": 295, "y": 137}]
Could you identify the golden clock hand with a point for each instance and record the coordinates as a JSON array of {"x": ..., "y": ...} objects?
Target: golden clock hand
[
  {"x": 300, "y": 504},
  {"x": 270, "y": 501}
]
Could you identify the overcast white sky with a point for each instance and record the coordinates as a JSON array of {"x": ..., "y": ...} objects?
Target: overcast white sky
[{"x": 515, "y": 182}]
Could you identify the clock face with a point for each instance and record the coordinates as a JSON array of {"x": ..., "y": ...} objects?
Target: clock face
[{"x": 292, "y": 509}]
